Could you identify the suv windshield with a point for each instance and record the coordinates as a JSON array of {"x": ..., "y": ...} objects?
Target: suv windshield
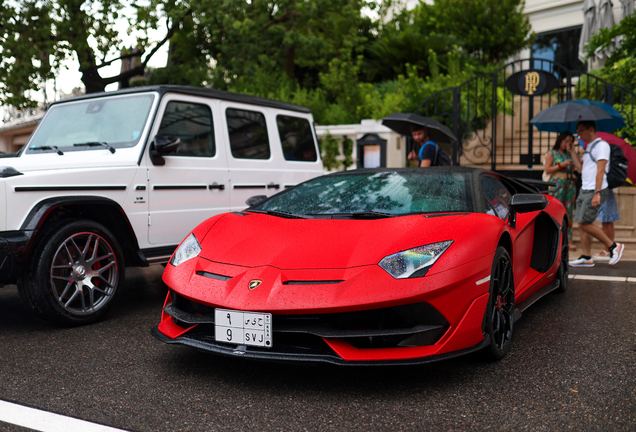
[
  {"x": 115, "y": 122},
  {"x": 376, "y": 193}
]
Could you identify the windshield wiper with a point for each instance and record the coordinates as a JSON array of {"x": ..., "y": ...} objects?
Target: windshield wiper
[
  {"x": 370, "y": 215},
  {"x": 280, "y": 213},
  {"x": 95, "y": 144},
  {"x": 58, "y": 151}
]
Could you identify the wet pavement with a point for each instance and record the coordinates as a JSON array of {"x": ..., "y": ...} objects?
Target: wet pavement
[{"x": 571, "y": 367}]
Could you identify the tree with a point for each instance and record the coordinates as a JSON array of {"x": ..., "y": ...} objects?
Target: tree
[
  {"x": 388, "y": 56},
  {"x": 37, "y": 35},
  {"x": 620, "y": 40},
  {"x": 488, "y": 30},
  {"x": 260, "y": 42}
]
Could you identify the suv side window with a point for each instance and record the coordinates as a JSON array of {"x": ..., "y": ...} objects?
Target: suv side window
[
  {"x": 192, "y": 123},
  {"x": 497, "y": 197},
  {"x": 296, "y": 138},
  {"x": 248, "y": 134}
]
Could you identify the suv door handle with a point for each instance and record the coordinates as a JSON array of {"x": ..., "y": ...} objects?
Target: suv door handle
[
  {"x": 273, "y": 186},
  {"x": 217, "y": 186}
]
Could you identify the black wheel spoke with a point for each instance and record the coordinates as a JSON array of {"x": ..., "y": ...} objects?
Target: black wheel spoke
[{"x": 500, "y": 318}]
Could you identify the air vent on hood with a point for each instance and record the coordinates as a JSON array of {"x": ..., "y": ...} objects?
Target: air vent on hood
[
  {"x": 314, "y": 282},
  {"x": 213, "y": 275}
]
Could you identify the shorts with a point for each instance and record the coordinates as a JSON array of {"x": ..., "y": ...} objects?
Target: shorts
[
  {"x": 609, "y": 210},
  {"x": 584, "y": 213}
]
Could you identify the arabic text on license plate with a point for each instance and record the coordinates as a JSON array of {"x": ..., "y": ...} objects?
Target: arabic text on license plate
[{"x": 243, "y": 328}]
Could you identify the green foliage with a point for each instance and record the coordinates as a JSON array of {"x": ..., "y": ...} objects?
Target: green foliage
[
  {"x": 619, "y": 68},
  {"x": 388, "y": 56},
  {"x": 488, "y": 30},
  {"x": 281, "y": 37},
  {"x": 621, "y": 38},
  {"x": 24, "y": 51},
  {"x": 330, "y": 152},
  {"x": 36, "y": 36},
  {"x": 621, "y": 72},
  {"x": 323, "y": 54},
  {"x": 628, "y": 133}
]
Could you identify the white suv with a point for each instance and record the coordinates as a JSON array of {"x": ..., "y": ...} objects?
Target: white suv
[{"x": 118, "y": 179}]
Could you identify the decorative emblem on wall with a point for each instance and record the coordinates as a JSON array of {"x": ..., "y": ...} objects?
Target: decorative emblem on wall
[{"x": 531, "y": 82}]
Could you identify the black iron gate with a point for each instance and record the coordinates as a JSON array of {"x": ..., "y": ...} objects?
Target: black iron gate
[{"x": 492, "y": 124}]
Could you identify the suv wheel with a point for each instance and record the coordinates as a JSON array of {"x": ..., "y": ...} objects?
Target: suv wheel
[{"x": 75, "y": 273}]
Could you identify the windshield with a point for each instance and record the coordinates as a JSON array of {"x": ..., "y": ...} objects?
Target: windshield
[
  {"x": 115, "y": 121},
  {"x": 389, "y": 193}
]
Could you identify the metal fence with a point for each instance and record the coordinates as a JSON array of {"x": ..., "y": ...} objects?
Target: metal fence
[{"x": 492, "y": 124}]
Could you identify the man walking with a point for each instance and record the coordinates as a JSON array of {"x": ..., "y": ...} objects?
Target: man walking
[{"x": 593, "y": 193}]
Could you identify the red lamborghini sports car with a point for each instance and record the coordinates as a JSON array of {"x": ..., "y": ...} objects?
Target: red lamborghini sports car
[{"x": 368, "y": 267}]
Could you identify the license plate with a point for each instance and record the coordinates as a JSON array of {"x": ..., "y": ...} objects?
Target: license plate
[{"x": 243, "y": 328}]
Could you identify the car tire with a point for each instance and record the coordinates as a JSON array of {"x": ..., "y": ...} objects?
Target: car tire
[
  {"x": 499, "y": 319},
  {"x": 564, "y": 271},
  {"x": 75, "y": 273}
]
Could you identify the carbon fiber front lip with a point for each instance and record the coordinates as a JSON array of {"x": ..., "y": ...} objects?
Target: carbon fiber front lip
[
  {"x": 306, "y": 358},
  {"x": 316, "y": 330}
]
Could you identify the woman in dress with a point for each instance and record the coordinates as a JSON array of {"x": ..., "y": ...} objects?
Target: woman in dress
[{"x": 560, "y": 163}]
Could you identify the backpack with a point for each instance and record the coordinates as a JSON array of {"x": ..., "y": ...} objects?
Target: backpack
[
  {"x": 617, "y": 173},
  {"x": 441, "y": 157}
]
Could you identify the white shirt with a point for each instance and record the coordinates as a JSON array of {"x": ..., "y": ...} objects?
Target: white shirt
[{"x": 601, "y": 151}]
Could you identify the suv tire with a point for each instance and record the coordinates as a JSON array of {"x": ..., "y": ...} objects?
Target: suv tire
[{"x": 75, "y": 273}]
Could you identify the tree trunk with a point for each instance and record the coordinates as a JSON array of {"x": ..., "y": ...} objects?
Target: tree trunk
[{"x": 290, "y": 55}]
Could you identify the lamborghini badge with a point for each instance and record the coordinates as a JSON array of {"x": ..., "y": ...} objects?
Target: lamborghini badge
[{"x": 255, "y": 283}]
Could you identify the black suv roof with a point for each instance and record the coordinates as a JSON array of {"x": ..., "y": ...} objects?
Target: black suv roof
[{"x": 198, "y": 91}]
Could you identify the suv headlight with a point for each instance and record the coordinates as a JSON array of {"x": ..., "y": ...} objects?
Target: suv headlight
[
  {"x": 413, "y": 262},
  {"x": 188, "y": 249}
]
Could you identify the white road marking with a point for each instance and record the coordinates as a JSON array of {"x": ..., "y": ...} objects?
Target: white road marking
[
  {"x": 603, "y": 278},
  {"x": 45, "y": 421}
]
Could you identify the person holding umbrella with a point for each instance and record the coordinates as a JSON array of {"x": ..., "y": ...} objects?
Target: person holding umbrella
[
  {"x": 427, "y": 134},
  {"x": 594, "y": 191},
  {"x": 427, "y": 153},
  {"x": 560, "y": 163}
]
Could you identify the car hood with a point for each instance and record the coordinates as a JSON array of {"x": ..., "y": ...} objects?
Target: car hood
[
  {"x": 90, "y": 158},
  {"x": 251, "y": 240}
]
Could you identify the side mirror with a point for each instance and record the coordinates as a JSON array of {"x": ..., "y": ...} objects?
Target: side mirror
[
  {"x": 256, "y": 200},
  {"x": 163, "y": 145},
  {"x": 525, "y": 203}
]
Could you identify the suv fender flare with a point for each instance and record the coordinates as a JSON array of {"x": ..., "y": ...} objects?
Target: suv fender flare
[{"x": 100, "y": 209}]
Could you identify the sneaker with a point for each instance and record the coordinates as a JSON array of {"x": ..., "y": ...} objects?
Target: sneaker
[
  {"x": 602, "y": 255},
  {"x": 616, "y": 253},
  {"x": 582, "y": 262}
]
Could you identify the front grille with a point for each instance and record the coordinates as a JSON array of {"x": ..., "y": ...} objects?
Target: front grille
[{"x": 418, "y": 324}]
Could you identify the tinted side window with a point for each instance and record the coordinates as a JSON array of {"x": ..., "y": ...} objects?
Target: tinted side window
[
  {"x": 296, "y": 138},
  {"x": 248, "y": 134},
  {"x": 497, "y": 197},
  {"x": 192, "y": 123}
]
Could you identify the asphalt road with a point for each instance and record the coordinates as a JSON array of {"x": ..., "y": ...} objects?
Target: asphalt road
[{"x": 571, "y": 367}]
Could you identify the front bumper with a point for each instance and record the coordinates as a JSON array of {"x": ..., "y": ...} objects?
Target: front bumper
[
  {"x": 361, "y": 316},
  {"x": 301, "y": 357},
  {"x": 12, "y": 253}
]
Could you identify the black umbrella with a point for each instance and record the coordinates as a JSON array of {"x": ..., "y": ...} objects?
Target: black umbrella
[
  {"x": 401, "y": 123},
  {"x": 563, "y": 117}
]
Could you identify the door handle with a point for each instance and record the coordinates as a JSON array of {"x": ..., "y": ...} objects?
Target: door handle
[
  {"x": 273, "y": 186},
  {"x": 217, "y": 186}
]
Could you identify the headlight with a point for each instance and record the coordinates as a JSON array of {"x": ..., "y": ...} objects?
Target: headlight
[
  {"x": 188, "y": 249},
  {"x": 413, "y": 262}
]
